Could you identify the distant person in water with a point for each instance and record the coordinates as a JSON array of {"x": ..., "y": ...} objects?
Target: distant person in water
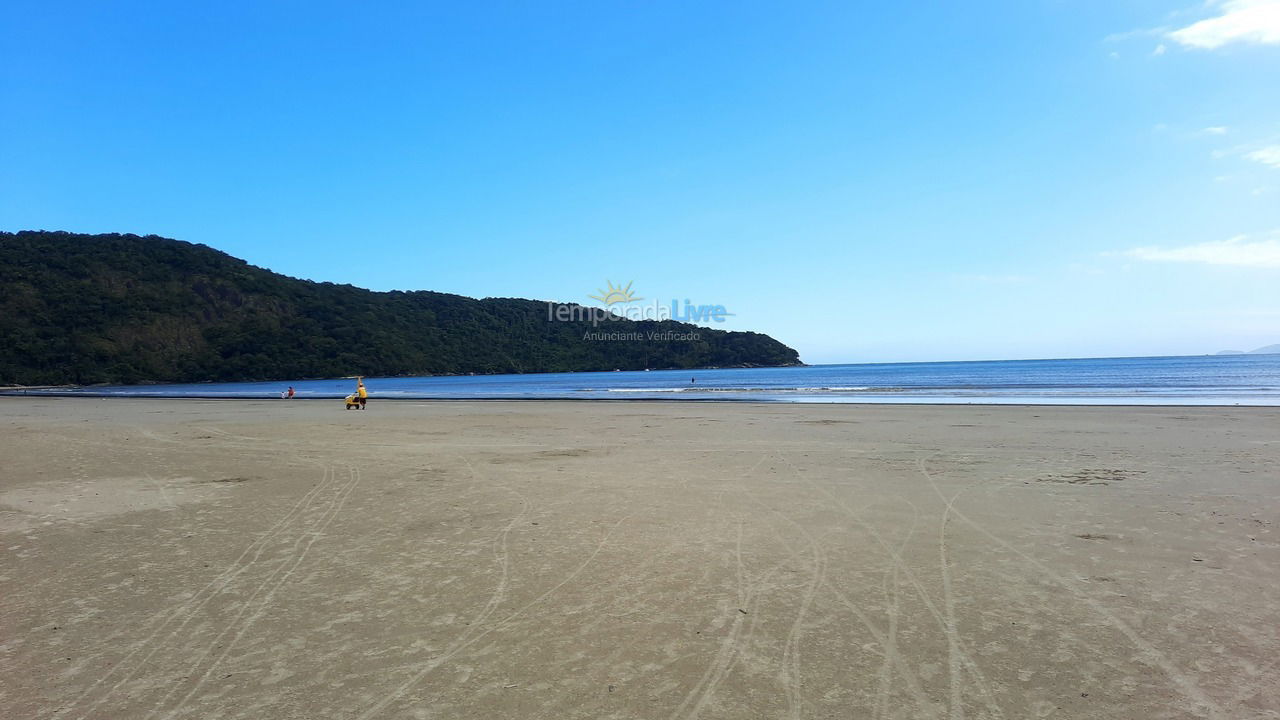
[{"x": 361, "y": 394}]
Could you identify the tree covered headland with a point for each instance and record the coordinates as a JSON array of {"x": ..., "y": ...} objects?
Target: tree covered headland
[{"x": 125, "y": 309}]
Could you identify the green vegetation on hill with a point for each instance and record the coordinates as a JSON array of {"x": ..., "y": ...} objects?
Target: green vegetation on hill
[{"x": 124, "y": 309}]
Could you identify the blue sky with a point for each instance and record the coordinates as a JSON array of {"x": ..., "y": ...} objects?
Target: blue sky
[{"x": 864, "y": 181}]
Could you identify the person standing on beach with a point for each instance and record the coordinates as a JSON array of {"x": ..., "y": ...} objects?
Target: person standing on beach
[
  {"x": 290, "y": 392},
  {"x": 362, "y": 395}
]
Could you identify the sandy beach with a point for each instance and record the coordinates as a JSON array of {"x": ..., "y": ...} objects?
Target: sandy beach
[{"x": 289, "y": 559}]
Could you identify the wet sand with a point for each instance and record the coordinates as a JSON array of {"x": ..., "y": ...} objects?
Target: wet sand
[{"x": 273, "y": 559}]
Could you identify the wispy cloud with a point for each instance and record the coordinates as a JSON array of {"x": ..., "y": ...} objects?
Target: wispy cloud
[
  {"x": 1139, "y": 33},
  {"x": 1243, "y": 21},
  {"x": 995, "y": 279},
  {"x": 1240, "y": 251},
  {"x": 1083, "y": 269},
  {"x": 1267, "y": 156},
  {"x": 1214, "y": 131}
]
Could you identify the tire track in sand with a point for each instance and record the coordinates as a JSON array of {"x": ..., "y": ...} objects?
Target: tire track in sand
[
  {"x": 274, "y": 581},
  {"x": 697, "y": 697},
  {"x": 501, "y": 556},
  {"x": 896, "y": 558},
  {"x": 729, "y": 652},
  {"x": 188, "y": 609},
  {"x": 954, "y": 668},
  {"x": 791, "y": 649},
  {"x": 424, "y": 669},
  {"x": 889, "y": 639},
  {"x": 1181, "y": 681},
  {"x": 730, "y": 649}
]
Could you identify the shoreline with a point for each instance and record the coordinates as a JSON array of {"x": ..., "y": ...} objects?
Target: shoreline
[
  {"x": 1022, "y": 403},
  {"x": 1196, "y": 381}
]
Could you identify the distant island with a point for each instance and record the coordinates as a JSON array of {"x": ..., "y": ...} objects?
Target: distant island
[
  {"x": 1268, "y": 350},
  {"x": 87, "y": 309}
]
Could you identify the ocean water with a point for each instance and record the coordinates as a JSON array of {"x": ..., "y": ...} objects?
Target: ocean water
[{"x": 1192, "y": 380}]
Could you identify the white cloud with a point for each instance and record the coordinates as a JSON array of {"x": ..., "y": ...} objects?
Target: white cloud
[
  {"x": 1246, "y": 21},
  {"x": 1160, "y": 49},
  {"x": 1239, "y": 251},
  {"x": 1266, "y": 156},
  {"x": 1214, "y": 131}
]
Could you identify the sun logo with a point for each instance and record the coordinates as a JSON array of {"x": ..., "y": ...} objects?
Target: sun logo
[{"x": 615, "y": 294}]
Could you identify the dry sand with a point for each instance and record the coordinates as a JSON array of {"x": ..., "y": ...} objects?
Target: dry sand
[{"x": 272, "y": 559}]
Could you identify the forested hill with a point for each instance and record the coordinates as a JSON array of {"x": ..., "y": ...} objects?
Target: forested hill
[{"x": 124, "y": 309}]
